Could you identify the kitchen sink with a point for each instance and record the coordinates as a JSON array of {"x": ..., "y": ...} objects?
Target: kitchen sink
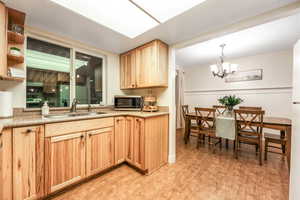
[{"x": 64, "y": 115}]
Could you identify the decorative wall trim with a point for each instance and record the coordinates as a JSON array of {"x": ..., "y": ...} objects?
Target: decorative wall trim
[{"x": 242, "y": 91}]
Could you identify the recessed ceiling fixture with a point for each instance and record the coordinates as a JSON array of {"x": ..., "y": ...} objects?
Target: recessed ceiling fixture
[
  {"x": 129, "y": 17},
  {"x": 119, "y": 15},
  {"x": 223, "y": 69},
  {"x": 163, "y": 10}
]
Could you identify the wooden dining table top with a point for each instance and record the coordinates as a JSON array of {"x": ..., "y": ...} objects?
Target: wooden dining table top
[{"x": 267, "y": 120}]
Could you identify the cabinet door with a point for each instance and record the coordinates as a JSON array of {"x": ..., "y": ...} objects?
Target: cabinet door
[
  {"x": 146, "y": 65},
  {"x": 129, "y": 139},
  {"x": 6, "y": 164},
  {"x": 128, "y": 70},
  {"x": 100, "y": 150},
  {"x": 28, "y": 161},
  {"x": 120, "y": 139},
  {"x": 139, "y": 143},
  {"x": 65, "y": 160}
]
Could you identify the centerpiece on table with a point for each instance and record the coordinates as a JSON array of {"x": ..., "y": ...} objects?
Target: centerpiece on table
[{"x": 229, "y": 102}]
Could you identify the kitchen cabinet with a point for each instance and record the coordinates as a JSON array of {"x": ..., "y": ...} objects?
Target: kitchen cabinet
[
  {"x": 100, "y": 150},
  {"x": 139, "y": 143},
  {"x": 6, "y": 164},
  {"x": 65, "y": 160},
  {"x": 28, "y": 162},
  {"x": 145, "y": 66},
  {"x": 129, "y": 131},
  {"x": 128, "y": 70},
  {"x": 3, "y": 41},
  {"x": 120, "y": 139}
]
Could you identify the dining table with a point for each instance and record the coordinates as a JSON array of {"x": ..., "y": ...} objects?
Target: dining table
[{"x": 284, "y": 125}]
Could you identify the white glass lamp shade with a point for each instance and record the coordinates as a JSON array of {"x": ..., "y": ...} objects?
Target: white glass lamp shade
[
  {"x": 214, "y": 68},
  {"x": 226, "y": 67},
  {"x": 234, "y": 67}
]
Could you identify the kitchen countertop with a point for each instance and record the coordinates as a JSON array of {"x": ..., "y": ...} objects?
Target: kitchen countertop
[{"x": 39, "y": 119}]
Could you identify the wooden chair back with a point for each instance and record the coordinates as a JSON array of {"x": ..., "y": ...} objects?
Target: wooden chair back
[
  {"x": 185, "y": 110},
  {"x": 219, "y": 109},
  {"x": 249, "y": 108},
  {"x": 249, "y": 122},
  {"x": 206, "y": 117}
]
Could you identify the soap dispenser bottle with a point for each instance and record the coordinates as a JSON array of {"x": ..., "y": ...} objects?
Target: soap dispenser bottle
[{"x": 45, "y": 109}]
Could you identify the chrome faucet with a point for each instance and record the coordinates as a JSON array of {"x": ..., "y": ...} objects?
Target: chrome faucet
[
  {"x": 89, "y": 107},
  {"x": 74, "y": 105}
]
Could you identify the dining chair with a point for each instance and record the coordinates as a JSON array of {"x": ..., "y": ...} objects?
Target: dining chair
[
  {"x": 206, "y": 127},
  {"x": 249, "y": 128},
  {"x": 220, "y": 109},
  {"x": 193, "y": 127},
  {"x": 274, "y": 139},
  {"x": 251, "y": 108}
]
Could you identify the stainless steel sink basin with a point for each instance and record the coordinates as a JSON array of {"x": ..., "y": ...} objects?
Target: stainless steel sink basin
[{"x": 64, "y": 115}]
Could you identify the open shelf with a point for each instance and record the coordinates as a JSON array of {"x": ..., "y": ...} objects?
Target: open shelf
[
  {"x": 15, "y": 38},
  {"x": 8, "y": 78},
  {"x": 15, "y": 59}
]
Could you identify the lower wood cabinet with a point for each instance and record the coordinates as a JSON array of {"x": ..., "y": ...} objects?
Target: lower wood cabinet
[
  {"x": 129, "y": 131},
  {"x": 139, "y": 143},
  {"x": 6, "y": 164},
  {"x": 65, "y": 161},
  {"x": 28, "y": 162},
  {"x": 120, "y": 139},
  {"x": 100, "y": 150}
]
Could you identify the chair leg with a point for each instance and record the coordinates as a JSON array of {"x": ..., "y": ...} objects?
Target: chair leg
[
  {"x": 266, "y": 149},
  {"x": 220, "y": 140},
  {"x": 226, "y": 143},
  {"x": 236, "y": 148},
  {"x": 260, "y": 152},
  {"x": 234, "y": 145}
]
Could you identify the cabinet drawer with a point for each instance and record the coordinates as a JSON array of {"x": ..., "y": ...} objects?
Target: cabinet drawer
[{"x": 77, "y": 126}]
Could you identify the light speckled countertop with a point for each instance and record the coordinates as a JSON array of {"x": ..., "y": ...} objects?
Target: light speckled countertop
[{"x": 38, "y": 119}]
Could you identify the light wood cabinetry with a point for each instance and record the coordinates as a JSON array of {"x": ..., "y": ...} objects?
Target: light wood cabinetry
[
  {"x": 3, "y": 41},
  {"x": 36, "y": 161},
  {"x": 65, "y": 160},
  {"x": 100, "y": 150},
  {"x": 28, "y": 162},
  {"x": 128, "y": 70},
  {"x": 145, "y": 66},
  {"x": 129, "y": 127},
  {"x": 120, "y": 139},
  {"x": 6, "y": 164},
  {"x": 139, "y": 143}
]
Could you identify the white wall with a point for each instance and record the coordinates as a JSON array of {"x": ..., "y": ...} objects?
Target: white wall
[{"x": 273, "y": 93}]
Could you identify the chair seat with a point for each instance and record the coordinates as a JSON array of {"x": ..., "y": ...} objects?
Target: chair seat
[{"x": 208, "y": 131}]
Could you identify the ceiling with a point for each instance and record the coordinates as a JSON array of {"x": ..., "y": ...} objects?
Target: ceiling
[
  {"x": 208, "y": 16},
  {"x": 270, "y": 37}
]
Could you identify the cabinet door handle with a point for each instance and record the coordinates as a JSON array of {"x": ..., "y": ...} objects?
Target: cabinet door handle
[
  {"x": 1, "y": 144},
  {"x": 82, "y": 136}
]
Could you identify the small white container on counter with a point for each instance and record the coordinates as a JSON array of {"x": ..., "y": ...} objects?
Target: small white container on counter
[
  {"x": 6, "y": 107},
  {"x": 45, "y": 109}
]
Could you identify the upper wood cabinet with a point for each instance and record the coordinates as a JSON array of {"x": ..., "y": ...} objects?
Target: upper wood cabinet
[
  {"x": 28, "y": 162},
  {"x": 6, "y": 164},
  {"x": 145, "y": 66},
  {"x": 99, "y": 150},
  {"x": 65, "y": 163},
  {"x": 128, "y": 70},
  {"x": 3, "y": 41}
]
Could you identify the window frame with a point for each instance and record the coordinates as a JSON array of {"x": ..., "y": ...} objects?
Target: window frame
[{"x": 73, "y": 49}]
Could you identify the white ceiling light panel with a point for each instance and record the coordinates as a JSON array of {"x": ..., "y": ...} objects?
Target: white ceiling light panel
[
  {"x": 119, "y": 15},
  {"x": 163, "y": 10}
]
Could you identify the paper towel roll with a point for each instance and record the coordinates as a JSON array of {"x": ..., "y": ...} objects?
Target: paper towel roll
[{"x": 6, "y": 109}]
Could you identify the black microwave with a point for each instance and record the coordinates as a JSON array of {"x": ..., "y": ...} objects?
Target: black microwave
[{"x": 128, "y": 102}]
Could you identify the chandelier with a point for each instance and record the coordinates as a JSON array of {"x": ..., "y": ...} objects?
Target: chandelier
[{"x": 223, "y": 69}]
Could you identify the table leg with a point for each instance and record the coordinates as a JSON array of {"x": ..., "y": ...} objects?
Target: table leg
[
  {"x": 227, "y": 143},
  {"x": 282, "y": 136},
  {"x": 187, "y": 129}
]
